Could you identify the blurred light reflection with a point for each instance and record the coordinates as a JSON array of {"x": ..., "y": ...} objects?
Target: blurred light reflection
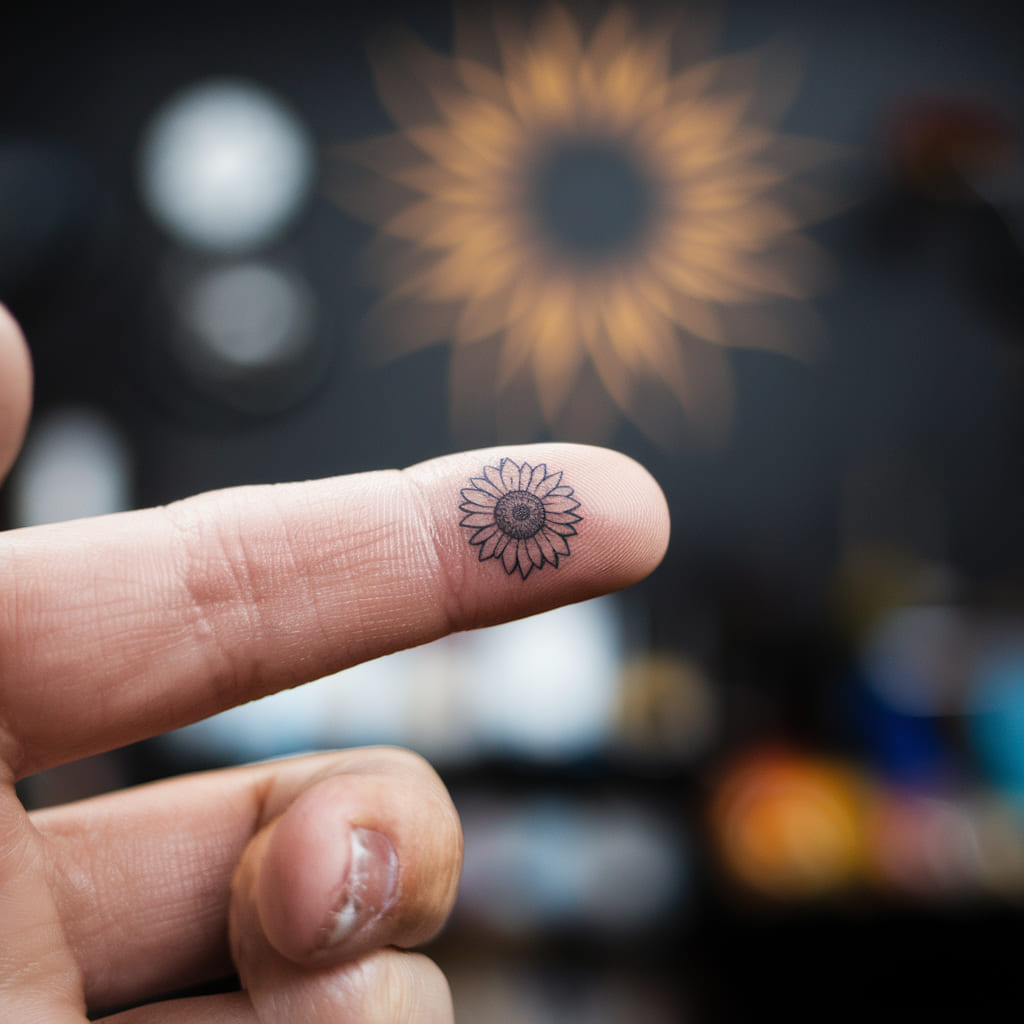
[
  {"x": 505, "y": 992},
  {"x": 76, "y": 463},
  {"x": 246, "y": 316},
  {"x": 545, "y": 687},
  {"x": 548, "y": 862},
  {"x": 790, "y": 826},
  {"x": 225, "y": 165},
  {"x": 997, "y": 721}
]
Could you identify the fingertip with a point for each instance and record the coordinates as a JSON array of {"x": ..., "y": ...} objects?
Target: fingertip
[{"x": 637, "y": 514}]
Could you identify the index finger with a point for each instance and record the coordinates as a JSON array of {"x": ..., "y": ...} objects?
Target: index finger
[{"x": 120, "y": 627}]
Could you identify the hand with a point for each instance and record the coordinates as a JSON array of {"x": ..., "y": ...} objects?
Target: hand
[{"x": 310, "y": 874}]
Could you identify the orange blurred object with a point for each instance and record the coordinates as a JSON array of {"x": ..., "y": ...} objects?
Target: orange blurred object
[
  {"x": 790, "y": 826},
  {"x": 937, "y": 143}
]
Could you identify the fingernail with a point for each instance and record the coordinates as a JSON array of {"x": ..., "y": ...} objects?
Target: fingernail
[{"x": 370, "y": 888}]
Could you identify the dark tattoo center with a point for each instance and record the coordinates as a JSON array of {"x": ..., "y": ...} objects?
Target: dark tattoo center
[{"x": 519, "y": 514}]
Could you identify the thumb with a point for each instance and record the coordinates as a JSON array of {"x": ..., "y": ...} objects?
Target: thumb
[
  {"x": 364, "y": 857},
  {"x": 15, "y": 390}
]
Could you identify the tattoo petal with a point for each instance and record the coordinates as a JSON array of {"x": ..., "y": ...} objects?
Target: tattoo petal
[
  {"x": 483, "y": 498},
  {"x": 561, "y": 529},
  {"x": 559, "y": 543},
  {"x": 546, "y": 548},
  {"x": 556, "y": 503},
  {"x": 548, "y": 484},
  {"x": 510, "y": 556}
]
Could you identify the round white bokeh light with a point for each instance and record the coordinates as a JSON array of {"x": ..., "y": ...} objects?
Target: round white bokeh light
[
  {"x": 76, "y": 463},
  {"x": 225, "y": 166},
  {"x": 248, "y": 316}
]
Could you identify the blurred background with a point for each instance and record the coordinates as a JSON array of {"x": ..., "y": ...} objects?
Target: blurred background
[{"x": 783, "y": 267}]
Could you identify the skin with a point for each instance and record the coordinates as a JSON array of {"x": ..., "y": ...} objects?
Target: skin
[{"x": 121, "y": 627}]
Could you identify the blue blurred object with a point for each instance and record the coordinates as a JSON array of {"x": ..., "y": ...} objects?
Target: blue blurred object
[
  {"x": 902, "y": 748},
  {"x": 996, "y": 722}
]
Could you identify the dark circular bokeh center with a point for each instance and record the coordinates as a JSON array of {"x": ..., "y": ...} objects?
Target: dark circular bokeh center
[
  {"x": 519, "y": 514},
  {"x": 592, "y": 199}
]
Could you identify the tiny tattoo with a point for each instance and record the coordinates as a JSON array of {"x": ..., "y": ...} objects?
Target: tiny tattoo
[{"x": 520, "y": 514}]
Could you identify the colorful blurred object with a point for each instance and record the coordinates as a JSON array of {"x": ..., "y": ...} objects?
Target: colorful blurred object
[
  {"x": 944, "y": 145},
  {"x": 604, "y": 869},
  {"x": 668, "y": 710},
  {"x": 790, "y": 826},
  {"x": 997, "y": 720},
  {"x": 591, "y": 205}
]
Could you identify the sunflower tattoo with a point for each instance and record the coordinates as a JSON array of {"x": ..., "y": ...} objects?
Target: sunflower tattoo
[{"x": 521, "y": 514}]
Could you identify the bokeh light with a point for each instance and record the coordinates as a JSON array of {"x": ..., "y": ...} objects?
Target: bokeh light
[
  {"x": 537, "y": 864},
  {"x": 76, "y": 463},
  {"x": 225, "y": 165},
  {"x": 997, "y": 720},
  {"x": 543, "y": 688},
  {"x": 247, "y": 316},
  {"x": 789, "y": 826}
]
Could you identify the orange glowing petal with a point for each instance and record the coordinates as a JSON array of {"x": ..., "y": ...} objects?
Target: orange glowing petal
[
  {"x": 543, "y": 92},
  {"x": 459, "y": 273},
  {"x": 558, "y": 33},
  {"x": 623, "y": 320},
  {"x": 427, "y": 222},
  {"x": 694, "y": 82},
  {"x": 640, "y": 73},
  {"x": 446, "y": 189},
  {"x": 760, "y": 222},
  {"x": 588, "y": 96},
  {"x": 397, "y": 326},
  {"x": 706, "y": 389},
  {"x": 482, "y": 317},
  {"x": 762, "y": 276},
  {"x": 628, "y": 89},
  {"x": 512, "y": 47},
  {"x": 698, "y": 318},
  {"x": 482, "y": 81},
  {"x": 476, "y": 195},
  {"x": 455, "y": 229},
  {"x": 727, "y": 265},
  {"x": 696, "y": 282},
  {"x": 430, "y": 179},
  {"x": 484, "y": 128},
  {"x": 407, "y": 75},
  {"x": 382, "y": 154},
  {"x": 516, "y": 348},
  {"x": 659, "y": 348},
  {"x": 557, "y": 356},
  {"x": 705, "y": 154},
  {"x": 438, "y": 142},
  {"x": 710, "y": 122},
  {"x": 614, "y": 376},
  {"x": 722, "y": 193},
  {"x": 609, "y": 39},
  {"x": 525, "y": 295}
]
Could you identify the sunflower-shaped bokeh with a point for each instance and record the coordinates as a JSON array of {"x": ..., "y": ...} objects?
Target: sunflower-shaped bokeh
[
  {"x": 577, "y": 198},
  {"x": 520, "y": 514}
]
